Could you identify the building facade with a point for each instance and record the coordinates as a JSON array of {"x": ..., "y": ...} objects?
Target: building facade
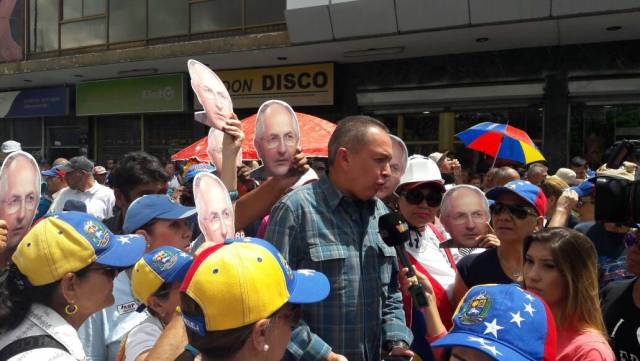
[{"x": 103, "y": 77}]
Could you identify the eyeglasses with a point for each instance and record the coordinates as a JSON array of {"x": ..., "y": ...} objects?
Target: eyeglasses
[
  {"x": 582, "y": 202},
  {"x": 291, "y": 313},
  {"x": 417, "y": 196},
  {"x": 517, "y": 210},
  {"x": 275, "y": 140},
  {"x": 13, "y": 205},
  {"x": 108, "y": 271},
  {"x": 631, "y": 238},
  {"x": 461, "y": 218}
]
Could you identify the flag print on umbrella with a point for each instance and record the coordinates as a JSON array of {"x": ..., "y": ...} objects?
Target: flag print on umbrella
[{"x": 501, "y": 141}]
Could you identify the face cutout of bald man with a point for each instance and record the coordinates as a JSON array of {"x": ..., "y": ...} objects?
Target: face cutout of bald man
[
  {"x": 277, "y": 137},
  {"x": 215, "y": 211},
  {"x": 214, "y": 149},
  {"x": 211, "y": 93},
  {"x": 19, "y": 194}
]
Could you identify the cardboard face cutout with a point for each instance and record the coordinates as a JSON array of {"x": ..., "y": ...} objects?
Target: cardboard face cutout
[
  {"x": 19, "y": 194},
  {"x": 214, "y": 148},
  {"x": 211, "y": 93},
  {"x": 277, "y": 137},
  {"x": 398, "y": 164},
  {"x": 465, "y": 217},
  {"x": 215, "y": 211}
]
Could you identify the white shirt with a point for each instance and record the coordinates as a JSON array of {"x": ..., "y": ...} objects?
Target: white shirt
[
  {"x": 42, "y": 320},
  {"x": 142, "y": 338},
  {"x": 427, "y": 251},
  {"x": 99, "y": 200}
]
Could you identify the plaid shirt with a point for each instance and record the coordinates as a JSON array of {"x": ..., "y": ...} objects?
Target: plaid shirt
[{"x": 317, "y": 227}]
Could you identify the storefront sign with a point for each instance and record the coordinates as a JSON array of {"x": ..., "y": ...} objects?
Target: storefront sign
[
  {"x": 149, "y": 94},
  {"x": 34, "y": 103},
  {"x": 310, "y": 84}
]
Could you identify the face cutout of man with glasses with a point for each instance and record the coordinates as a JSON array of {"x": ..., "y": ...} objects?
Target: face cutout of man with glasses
[
  {"x": 277, "y": 137},
  {"x": 464, "y": 213},
  {"x": 215, "y": 211},
  {"x": 19, "y": 194}
]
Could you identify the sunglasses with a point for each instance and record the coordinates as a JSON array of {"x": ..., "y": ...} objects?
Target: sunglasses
[
  {"x": 519, "y": 211},
  {"x": 109, "y": 271},
  {"x": 417, "y": 196},
  {"x": 631, "y": 238},
  {"x": 291, "y": 313}
]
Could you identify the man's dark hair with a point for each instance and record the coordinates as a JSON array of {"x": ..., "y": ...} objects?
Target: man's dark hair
[
  {"x": 351, "y": 133},
  {"x": 137, "y": 168}
]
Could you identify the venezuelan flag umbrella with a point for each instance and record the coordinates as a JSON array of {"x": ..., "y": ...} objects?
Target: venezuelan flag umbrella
[{"x": 501, "y": 141}]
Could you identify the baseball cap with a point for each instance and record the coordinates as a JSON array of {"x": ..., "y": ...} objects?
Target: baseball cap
[
  {"x": 585, "y": 188},
  {"x": 505, "y": 322},
  {"x": 99, "y": 170},
  {"x": 164, "y": 264},
  {"x": 567, "y": 175},
  {"x": 197, "y": 169},
  {"x": 243, "y": 280},
  {"x": 152, "y": 206},
  {"x": 578, "y": 161},
  {"x": 530, "y": 193},
  {"x": 421, "y": 170},
  {"x": 66, "y": 242},
  {"x": 438, "y": 157},
  {"x": 77, "y": 163},
  {"x": 10, "y": 146},
  {"x": 53, "y": 172}
]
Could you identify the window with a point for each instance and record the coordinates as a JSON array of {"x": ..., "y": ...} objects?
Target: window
[
  {"x": 260, "y": 12},
  {"x": 83, "y": 33},
  {"x": 43, "y": 25},
  {"x": 168, "y": 18},
  {"x": 216, "y": 15},
  {"x": 72, "y": 9},
  {"x": 127, "y": 20}
]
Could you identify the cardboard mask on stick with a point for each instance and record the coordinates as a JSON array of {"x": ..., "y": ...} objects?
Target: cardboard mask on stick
[
  {"x": 19, "y": 194},
  {"x": 211, "y": 93},
  {"x": 215, "y": 210}
]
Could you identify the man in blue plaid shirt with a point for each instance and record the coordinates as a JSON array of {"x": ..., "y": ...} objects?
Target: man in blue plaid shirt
[{"x": 332, "y": 226}]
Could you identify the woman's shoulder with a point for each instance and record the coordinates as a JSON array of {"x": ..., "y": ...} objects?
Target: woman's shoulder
[{"x": 588, "y": 345}]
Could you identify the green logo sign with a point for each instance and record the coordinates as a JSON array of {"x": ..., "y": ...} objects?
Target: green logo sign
[{"x": 149, "y": 94}]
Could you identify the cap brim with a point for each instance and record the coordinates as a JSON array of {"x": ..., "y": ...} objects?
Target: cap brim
[
  {"x": 125, "y": 252},
  {"x": 494, "y": 193},
  {"x": 66, "y": 168},
  {"x": 410, "y": 186},
  {"x": 177, "y": 211},
  {"x": 462, "y": 339},
  {"x": 308, "y": 287},
  {"x": 49, "y": 173}
]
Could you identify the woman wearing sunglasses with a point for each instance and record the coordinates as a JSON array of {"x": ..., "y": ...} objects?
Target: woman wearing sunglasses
[
  {"x": 155, "y": 281},
  {"x": 420, "y": 193},
  {"x": 516, "y": 213},
  {"x": 560, "y": 267},
  {"x": 621, "y": 303},
  {"x": 62, "y": 272}
]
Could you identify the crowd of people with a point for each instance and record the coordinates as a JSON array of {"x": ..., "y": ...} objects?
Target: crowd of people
[{"x": 140, "y": 260}]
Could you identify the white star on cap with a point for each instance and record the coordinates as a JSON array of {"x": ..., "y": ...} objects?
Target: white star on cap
[
  {"x": 529, "y": 309},
  {"x": 306, "y": 272},
  {"x": 516, "y": 318},
  {"x": 125, "y": 239},
  {"x": 529, "y": 297},
  {"x": 184, "y": 255},
  {"x": 481, "y": 341},
  {"x": 492, "y": 349},
  {"x": 492, "y": 328}
]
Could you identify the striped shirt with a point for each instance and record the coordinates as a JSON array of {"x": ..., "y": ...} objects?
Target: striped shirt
[{"x": 317, "y": 227}]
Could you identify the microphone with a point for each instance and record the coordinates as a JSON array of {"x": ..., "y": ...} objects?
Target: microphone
[{"x": 395, "y": 232}]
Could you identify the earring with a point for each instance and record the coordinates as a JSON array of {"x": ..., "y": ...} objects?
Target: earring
[
  {"x": 266, "y": 348},
  {"x": 71, "y": 309}
]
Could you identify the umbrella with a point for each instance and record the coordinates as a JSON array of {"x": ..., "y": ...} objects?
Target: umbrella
[
  {"x": 314, "y": 139},
  {"x": 501, "y": 141}
]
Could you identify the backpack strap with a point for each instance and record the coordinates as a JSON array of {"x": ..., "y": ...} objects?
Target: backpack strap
[{"x": 30, "y": 343}]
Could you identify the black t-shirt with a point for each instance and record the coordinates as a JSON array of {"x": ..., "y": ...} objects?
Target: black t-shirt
[
  {"x": 621, "y": 317},
  {"x": 482, "y": 268}
]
